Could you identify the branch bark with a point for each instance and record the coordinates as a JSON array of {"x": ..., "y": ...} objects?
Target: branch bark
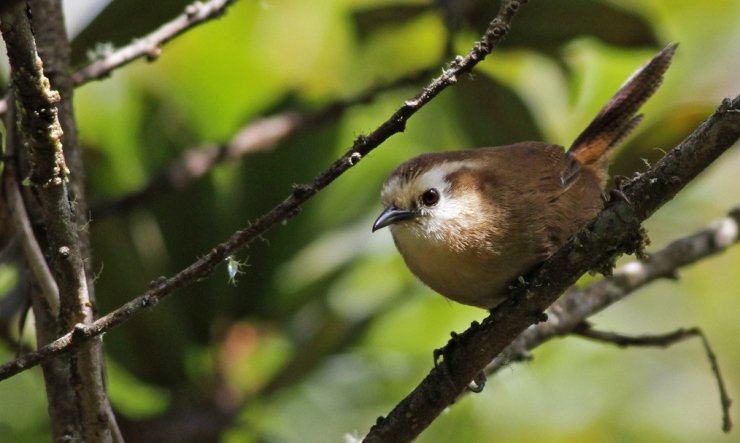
[
  {"x": 78, "y": 404},
  {"x": 41, "y": 291}
]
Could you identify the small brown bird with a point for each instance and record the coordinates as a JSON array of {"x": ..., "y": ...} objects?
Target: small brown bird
[{"x": 468, "y": 223}]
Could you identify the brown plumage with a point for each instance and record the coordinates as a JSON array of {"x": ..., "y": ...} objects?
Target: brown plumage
[{"x": 468, "y": 223}]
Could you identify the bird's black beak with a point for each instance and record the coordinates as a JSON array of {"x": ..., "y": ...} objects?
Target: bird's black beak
[{"x": 390, "y": 215}]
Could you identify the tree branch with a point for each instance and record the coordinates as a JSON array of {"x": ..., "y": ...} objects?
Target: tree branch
[
  {"x": 76, "y": 383},
  {"x": 54, "y": 49},
  {"x": 288, "y": 208},
  {"x": 611, "y": 233},
  {"x": 150, "y": 45},
  {"x": 88, "y": 372},
  {"x": 615, "y": 230},
  {"x": 585, "y": 330}
]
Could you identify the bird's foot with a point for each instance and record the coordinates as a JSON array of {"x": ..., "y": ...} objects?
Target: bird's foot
[
  {"x": 518, "y": 285},
  {"x": 440, "y": 354},
  {"x": 441, "y": 361},
  {"x": 617, "y": 192}
]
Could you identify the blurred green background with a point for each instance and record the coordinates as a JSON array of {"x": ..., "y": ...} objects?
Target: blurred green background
[{"x": 325, "y": 329}]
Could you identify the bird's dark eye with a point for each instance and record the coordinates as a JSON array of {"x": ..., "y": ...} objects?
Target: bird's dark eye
[{"x": 430, "y": 197}]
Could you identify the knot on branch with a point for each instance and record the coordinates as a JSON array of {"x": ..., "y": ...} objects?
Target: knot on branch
[
  {"x": 401, "y": 122},
  {"x": 414, "y": 103},
  {"x": 730, "y": 105},
  {"x": 457, "y": 62},
  {"x": 496, "y": 30},
  {"x": 52, "y": 95},
  {"x": 303, "y": 191},
  {"x": 512, "y": 7},
  {"x": 153, "y": 53},
  {"x": 157, "y": 282},
  {"x": 354, "y": 158},
  {"x": 193, "y": 10},
  {"x": 360, "y": 142},
  {"x": 80, "y": 331},
  {"x": 539, "y": 317},
  {"x": 148, "y": 301}
]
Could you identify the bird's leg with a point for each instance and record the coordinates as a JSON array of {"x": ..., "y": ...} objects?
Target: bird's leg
[
  {"x": 518, "y": 285},
  {"x": 441, "y": 361},
  {"x": 617, "y": 192},
  {"x": 639, "y": 241},
  {"x": 636, "y": 243},
  {"x": 440, "y": 354},
  {"x": 444, "y": 351}
]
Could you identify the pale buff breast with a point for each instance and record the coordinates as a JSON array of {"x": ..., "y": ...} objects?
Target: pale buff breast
[{"x": 464, "y": 276}]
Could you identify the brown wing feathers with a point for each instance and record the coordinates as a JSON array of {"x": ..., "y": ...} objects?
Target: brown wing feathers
[{"x": 617, "y": 118}]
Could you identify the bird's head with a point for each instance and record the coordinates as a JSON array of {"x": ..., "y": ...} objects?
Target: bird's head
[{"x": 435, "y": 198}]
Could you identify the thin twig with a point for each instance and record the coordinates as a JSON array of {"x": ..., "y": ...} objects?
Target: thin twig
[
  {"x": 150, "y": 45},
  {"x": 664, "y": 340},
  {"x": 22, "y": 225},
  {"x": 259, "y": 135},
  {"x": 725, "y": 399},
  {"x": 288, "y": 208},
  {"x": 31, "y": 248},
  {"x": 586, "y": 330},
  {"x": 14, "y": 305}
]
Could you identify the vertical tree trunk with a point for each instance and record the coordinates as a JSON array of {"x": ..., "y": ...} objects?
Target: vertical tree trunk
[{"x": 38, "y": 52}]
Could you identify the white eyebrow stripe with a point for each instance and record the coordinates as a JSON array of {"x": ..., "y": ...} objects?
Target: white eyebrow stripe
[
  {"x": 405, "y": 190},
  {"x": 437, "y": 175}
]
